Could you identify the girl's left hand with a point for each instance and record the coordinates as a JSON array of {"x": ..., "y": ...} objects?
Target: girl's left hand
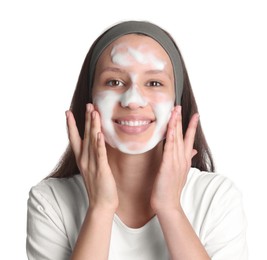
[{"x": 176, "y": 162}]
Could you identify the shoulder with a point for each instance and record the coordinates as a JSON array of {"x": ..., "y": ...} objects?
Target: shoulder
[
  {"x": 59, "y": 194},
  {"x": 56, "y": 208},
  {"x": 52, "y": 187},
  {"x": 209, "y": 196},
  {"x": 214, "y": 206},
  {"x": 59, "y": 206},
  {"x": 213, "y": 200},
  {"x": 210, "y": 184}
]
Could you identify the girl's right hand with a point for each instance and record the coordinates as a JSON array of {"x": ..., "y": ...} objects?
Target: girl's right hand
[{"x": 92, "y": 161}]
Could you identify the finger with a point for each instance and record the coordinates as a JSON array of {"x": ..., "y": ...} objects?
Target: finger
[
  {"x": 178, "y": 134},
  {"x": 194, "y": 152},
  {"x": 172, "y": 121},
  {"x": 95, "y": 125},
  {"x": 168, "y": 146},
  {"x": 94, "y": 130},
  {"x": 170, "y": 128},
  {"x": 87, "y": 121},
  {"x": 190, "y": 135},
  {"x": 86, "y": 135},
  {"x": 73, "y": 133},
  {"x": 169, "y": 142},
  {"x": 87, "y": 125},
  {"x": 101, "y": 150}
]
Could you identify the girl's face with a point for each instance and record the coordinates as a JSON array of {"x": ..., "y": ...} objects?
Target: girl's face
[{"x": 134, "y": 93}]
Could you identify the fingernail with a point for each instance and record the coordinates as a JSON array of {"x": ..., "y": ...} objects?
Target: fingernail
[
  {"x": 88, "y": 107},
  {"x": 178, "y": 110}
]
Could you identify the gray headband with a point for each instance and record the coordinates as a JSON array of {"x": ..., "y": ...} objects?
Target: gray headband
[{"x": 150, "y": 30}]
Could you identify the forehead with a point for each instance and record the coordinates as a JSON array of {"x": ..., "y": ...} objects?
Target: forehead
[{"x": 142, "y": 43}]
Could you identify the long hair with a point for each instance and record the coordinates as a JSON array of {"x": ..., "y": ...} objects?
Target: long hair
[{"x": 67, "y": 166}]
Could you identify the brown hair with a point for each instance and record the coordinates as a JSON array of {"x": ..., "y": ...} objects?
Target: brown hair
[{"x": 67, "y": 166}]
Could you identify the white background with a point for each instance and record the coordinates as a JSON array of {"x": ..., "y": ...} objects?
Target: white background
[{"x": 43, "y": 44}]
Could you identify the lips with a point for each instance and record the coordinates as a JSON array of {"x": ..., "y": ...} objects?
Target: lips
[{"x": 133, "y": 125}]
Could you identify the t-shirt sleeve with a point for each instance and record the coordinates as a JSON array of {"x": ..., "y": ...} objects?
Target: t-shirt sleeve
[
  {"x": 46, "y": 235},
  {"x": 225, "y": 236}
]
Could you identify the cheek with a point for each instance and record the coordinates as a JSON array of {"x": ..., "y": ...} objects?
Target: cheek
[
  {"x": 162, "y": 112},
  {"x": 161, "y": 101},
  {"x": 105, "y": 103},
  {"x": 159, "y": 97}
]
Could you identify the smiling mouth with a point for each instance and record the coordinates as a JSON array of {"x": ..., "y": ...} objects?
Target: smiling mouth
[
  {"x": 133, "y": 126},
  {"x": 133, "y": 122}
]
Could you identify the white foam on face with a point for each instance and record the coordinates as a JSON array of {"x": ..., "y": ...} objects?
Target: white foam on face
[
  {"x": 133, "y": 95},
  {"x": 121, "y": 58},
  {"x": 107, "y": 100},
  {"x": 126, "y": 56},
  {"x": 137, "y": 55}
]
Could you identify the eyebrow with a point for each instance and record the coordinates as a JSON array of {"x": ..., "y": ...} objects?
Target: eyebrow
[
  {"x": 158, "y": 72},
  {"x": 114, "y": 69}
]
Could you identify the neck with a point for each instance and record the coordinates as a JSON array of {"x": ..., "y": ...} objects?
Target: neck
[{"x": 134, "y": 176}]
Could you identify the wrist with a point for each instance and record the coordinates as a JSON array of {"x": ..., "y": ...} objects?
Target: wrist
[
  {"x": 167, "y": 212},
  {"x": 104, "y": 207},
  {"x": 102, "y": 211},
  {"x": 99, "y": 216}
]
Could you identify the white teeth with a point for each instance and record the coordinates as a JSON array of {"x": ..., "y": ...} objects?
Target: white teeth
[{"x": 134, "y": 123}]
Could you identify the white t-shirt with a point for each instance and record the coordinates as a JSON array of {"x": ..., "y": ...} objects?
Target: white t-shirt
[{"x": 212, "y": 203}]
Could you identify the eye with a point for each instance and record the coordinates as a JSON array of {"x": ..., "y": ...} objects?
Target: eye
[
  {"x": 115, "y": 83},
  {"x": 154, "y": 83}
]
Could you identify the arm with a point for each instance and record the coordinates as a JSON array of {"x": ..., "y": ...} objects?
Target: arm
[
  {"x": 180, "y": 237},
  {"x": 90, "y": 153},
  {"x": 94, "y": 238}
]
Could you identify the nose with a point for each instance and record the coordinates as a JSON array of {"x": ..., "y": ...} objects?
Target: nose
[{"x": 133, "y": 99}]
